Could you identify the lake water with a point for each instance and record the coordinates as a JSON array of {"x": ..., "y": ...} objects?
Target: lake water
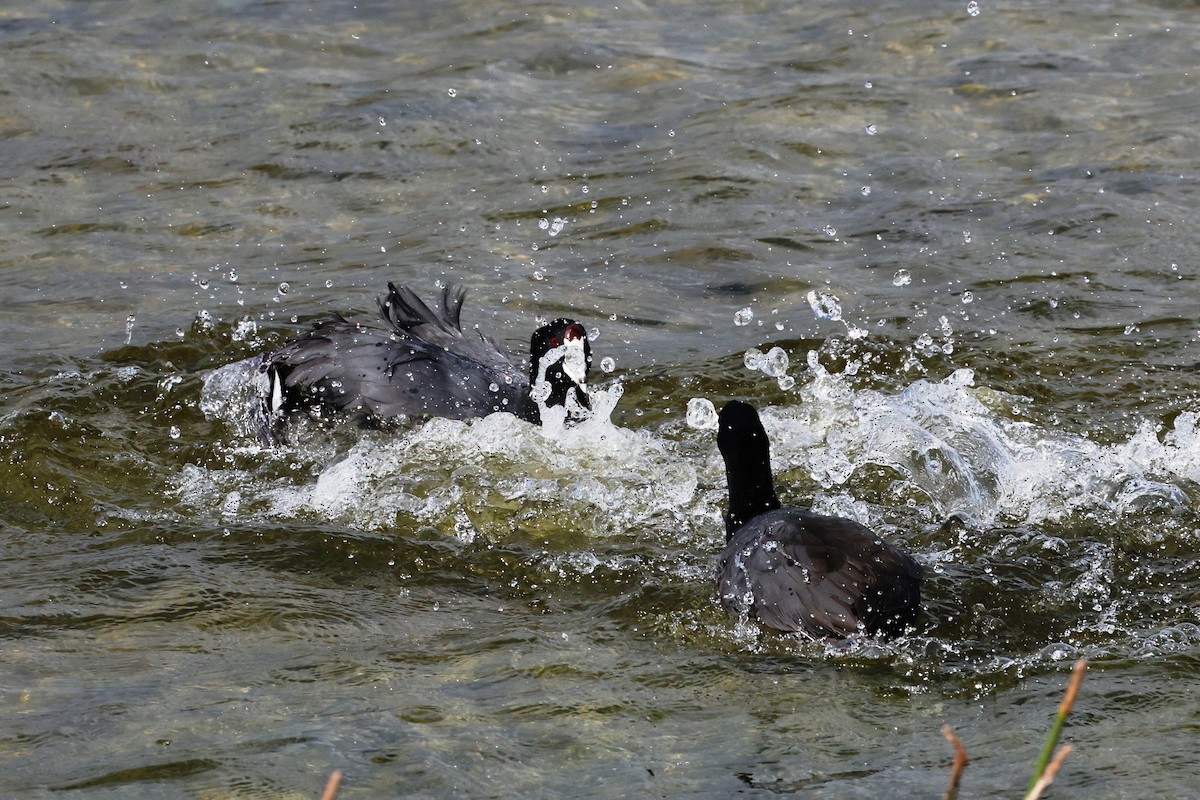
[{"x": 968, "y": 226}]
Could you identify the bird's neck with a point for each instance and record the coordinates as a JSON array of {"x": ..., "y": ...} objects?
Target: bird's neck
[{"x": 751, "y": 492}]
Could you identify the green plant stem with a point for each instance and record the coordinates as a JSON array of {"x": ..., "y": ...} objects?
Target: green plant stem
[{"x": 1060, "y": 719}]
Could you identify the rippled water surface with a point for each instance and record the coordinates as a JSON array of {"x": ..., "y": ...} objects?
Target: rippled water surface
[{"x": 968, "y": 227}]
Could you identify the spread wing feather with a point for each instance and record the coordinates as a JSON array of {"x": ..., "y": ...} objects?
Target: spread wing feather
[{"x": 409, "y": 316}]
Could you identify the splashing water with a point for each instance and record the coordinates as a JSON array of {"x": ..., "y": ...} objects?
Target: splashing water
[
  {"x": 235, "y": 393},
  {"x": 590, "y": 477},
  {"x": 942, "y": 465},
  {"x": 552, "y": 227},
  {"x": 825, "y": 306},
  {"x": 773, "y": 364},
  {"x": 953, "y": 448},
  {"x": 701, "y": 414},
  {"x": 963, "y": 459}
]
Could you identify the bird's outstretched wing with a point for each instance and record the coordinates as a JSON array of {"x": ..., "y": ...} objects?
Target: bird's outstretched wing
[{"x": 408, "y": 316}]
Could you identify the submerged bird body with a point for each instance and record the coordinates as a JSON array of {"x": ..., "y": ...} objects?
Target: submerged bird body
[
  {"x": 793, "y": 570},
  {"x": 422, "y": 364}
]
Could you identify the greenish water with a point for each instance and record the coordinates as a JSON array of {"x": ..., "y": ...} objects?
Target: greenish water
[{"x": 971, "y": 234}]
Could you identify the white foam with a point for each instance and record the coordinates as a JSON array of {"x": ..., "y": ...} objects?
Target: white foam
[
  {"x": 234, "y": 393},
  {"x": 593, "y": 477},
  {"x": 967, "y": 455},
  {"x": 954, "y": 448}
]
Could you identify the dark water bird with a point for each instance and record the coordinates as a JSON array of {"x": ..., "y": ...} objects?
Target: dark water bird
[
  {"x": 796, "y": 571},
  {"x": 422, "y": 363}
]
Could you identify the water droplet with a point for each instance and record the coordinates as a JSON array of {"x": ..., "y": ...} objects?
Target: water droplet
[
  {"x": 869, "y": 85},
  {"x": 973, "y": 8},
  {"x": 743, "y": 317},
  {"x": 775, "y": 364},
  {"x": 538, "y": 276},
  {"x": 557, "y": 225},
  {"x": 753, "y": 358},
  {"x": 871, "y": 130},
  {"x": 543, "y": 223},
  {"x": 701, "y": 414},
  {"x": 329, "y": 284},
  {"x": 233, "y": 276},
  {"x": 829, "y": 230},
  {"x": 824, "y": 306},
  {"x": 786, "y": 382},
  {"x": 968, "y": 297},
  {"x": 866, "y": 190},
  {"x": 495, "y": 387},
  {"x": 902, "y": 278},
  {"x": 244, "y": 330},
  {"x": 967, "y": 237},
  {"x": 174, "y": 432},
  {"x": 452, "y": 92},
  {"x": 608, "y": 364},
  {"x": 202, "y": 283},
  {"x": 285, "y": 287}
]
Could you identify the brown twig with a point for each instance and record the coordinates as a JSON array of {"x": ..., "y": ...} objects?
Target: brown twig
[
  {"x": 331, "y": 788},
  {"x": 960, "y": 761}
]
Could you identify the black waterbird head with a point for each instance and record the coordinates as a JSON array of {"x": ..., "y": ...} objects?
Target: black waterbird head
[{"x": 560, "y": 344}]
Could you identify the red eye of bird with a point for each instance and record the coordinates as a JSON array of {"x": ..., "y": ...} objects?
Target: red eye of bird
[
  {"x": 574, "y": 332},
  {"x": 554, "y": 341}
]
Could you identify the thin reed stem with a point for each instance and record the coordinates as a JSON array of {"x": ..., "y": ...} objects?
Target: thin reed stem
[{"x": 1064, "y": 708}]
